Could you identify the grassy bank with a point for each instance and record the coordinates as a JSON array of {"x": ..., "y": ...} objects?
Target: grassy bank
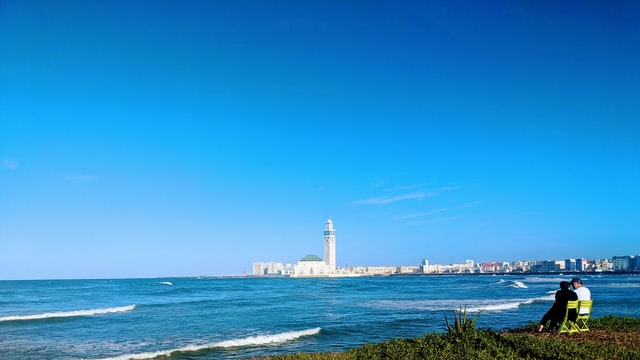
[{"x": 610, "y": 338}]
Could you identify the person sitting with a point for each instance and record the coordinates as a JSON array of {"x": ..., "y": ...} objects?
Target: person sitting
[
  {"x": 558, "y": 309},
  {"x": 582, "y": 292}
]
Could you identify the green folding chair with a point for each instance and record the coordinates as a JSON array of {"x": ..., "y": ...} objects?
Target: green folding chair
[
  {"x": 581, "y": 321},
  {"x": 567, "y": 325}
]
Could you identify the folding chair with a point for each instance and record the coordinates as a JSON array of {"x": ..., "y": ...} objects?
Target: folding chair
[
  {"x": 567, "y": 325},
  {"x": 581, "y": 321}
]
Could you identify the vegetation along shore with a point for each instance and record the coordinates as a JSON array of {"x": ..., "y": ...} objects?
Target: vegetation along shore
[{"x": 610, "y": 338}]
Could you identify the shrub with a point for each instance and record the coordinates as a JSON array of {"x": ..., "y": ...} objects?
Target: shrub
[
  {"x": 462, "y": 324},
  {"x": 464, "y": 341}
]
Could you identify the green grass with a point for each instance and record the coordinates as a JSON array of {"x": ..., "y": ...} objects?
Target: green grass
[
  {"x": 464, "y": 341},
  {"x": 615, "y": 323},
  {"x": 608, "y": 323}
]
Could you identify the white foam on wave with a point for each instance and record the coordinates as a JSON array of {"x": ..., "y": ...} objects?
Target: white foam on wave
[
  {"x": 517, "y": 284},
  {"x": 622, "y": 285},
  {"x": 63, "y": 314},
  {"x": 248, "y": 341},
  {"x": 166, "y": 283},
  {"x": 550, "y": 297},
  {"x": 472, "y": 305},
  {"x": 542, "y": 279},
  {"x": 512, "y": 304},
  {"x": 500, "y": 305},
  {"x": 511, "y": 283}
]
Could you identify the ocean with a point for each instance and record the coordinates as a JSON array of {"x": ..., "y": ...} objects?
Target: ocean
[{"x": 243, "y": 317}]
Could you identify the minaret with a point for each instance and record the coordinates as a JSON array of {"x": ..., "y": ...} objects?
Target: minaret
[{"x": 330, "y": 246}]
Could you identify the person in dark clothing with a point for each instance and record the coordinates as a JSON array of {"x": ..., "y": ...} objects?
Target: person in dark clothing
[{"x": 558, "y": 309}]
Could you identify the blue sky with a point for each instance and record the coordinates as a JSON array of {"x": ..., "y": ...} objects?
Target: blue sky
[{"x": 180, "y": 138}]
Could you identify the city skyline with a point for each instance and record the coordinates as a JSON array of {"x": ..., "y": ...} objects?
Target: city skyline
[
  {"x": 185, "y": 138},
  {"x": 311, "y": 265},
  {"x": 616, "y": 263}
]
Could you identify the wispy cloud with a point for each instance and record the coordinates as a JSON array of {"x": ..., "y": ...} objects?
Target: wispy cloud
[
  {"x": 437, "y": 220},
  {"x": 417, "y": 191},
  {"x": 10, "y": 164},
  {"x": 378, "y": 200},
  {"x": 432, "y": 221},
  {"x": 420, "y": 214},
  {"x": 417, "y": 186},
  {"x": 435, "y": 211},
  {"x": 80, "y": 178}
]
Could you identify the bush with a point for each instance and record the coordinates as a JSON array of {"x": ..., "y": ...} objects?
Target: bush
[
  {"x": 462, "y": 324},
  {"x": 464, "y": 341}
]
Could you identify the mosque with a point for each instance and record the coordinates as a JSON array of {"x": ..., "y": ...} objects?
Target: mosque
[
  {"x": 310, "y": 265},
  {"x": 314, "y": 266}
]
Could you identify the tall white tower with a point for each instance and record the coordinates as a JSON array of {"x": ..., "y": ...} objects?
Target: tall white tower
[{"x": 330, "y": 246}]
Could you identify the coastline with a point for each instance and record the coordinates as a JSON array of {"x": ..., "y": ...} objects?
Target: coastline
[{"x": 567, "y": 273}]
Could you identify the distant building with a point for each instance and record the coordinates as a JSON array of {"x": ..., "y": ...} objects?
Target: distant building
[
  {"x": 267, "y": 268},
  {"x": 522, "y": 266},
  {"x": 466, "y": 268},
  {"x": 549, "y": 266},
  {"x": 492, "y": 266},
  {"x": 425, "y": 266},
  {"x": 408, "y": 269},
  {"x": 330, "y": 246},
  {"x": 582, "y": 264},
  {"x": 623, "y": 263},
  {"x": 311, "y": 265},
  {"x": 380, "y": 270}
]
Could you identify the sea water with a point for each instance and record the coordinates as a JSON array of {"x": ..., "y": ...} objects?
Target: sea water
[{"x": 232, "y": 318}]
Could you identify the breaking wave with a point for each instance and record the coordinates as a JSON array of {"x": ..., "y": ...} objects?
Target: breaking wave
[
  {"x": 511, "y": 283},
  {"x": 472, "y": 305},
  {"x": 543, "y": 279},
  {"x": 248, "y": 341},
  {"x": 501, "y": 305},
  {"x": 517, "y": 284},
  {"x": 64, "y": 314}
]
